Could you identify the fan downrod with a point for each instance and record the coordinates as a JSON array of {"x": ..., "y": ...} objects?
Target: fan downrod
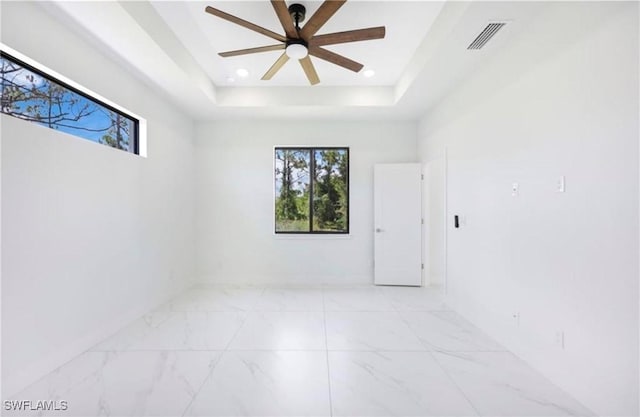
[{"x": 297, "y": 12}]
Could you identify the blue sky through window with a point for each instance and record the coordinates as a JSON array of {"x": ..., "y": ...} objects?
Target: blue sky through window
[{"x": 31, "y": 96}]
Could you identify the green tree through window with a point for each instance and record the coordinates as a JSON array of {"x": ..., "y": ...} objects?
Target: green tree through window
[{"x": 312, "y": 190}]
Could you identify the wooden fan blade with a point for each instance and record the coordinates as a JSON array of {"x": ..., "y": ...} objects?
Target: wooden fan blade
[
  {"x": 252, "y": 50},
  {"x": 276, "y": 67},
  {"x": 349, "y": 36},
  {"x": 245, "y": 24},
  {"x": 320, "y": 17},
  {"x": 285, "y": 18},
  {"x": 309, "y": 70},
  {"x": 335, "y": 58}
]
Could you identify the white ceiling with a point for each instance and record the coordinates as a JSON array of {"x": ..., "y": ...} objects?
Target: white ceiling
[
  {"x": 407, "y": 23},
  {"x": 173, "y": 46}
]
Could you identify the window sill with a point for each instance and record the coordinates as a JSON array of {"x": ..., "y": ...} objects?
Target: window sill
[{"x": 292, "y": 236}]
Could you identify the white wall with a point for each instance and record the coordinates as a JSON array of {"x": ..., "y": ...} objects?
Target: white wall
[
  {"x": 561, "y": 100},
  {"x": 235, "y": 236},
  {"x": 93, "y": 237}
]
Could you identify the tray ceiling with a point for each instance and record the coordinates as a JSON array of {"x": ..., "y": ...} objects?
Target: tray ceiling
[{"x": 407, "y": 23}]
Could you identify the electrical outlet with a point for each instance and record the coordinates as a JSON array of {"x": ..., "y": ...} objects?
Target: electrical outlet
[
  {"x": 559, "y": 339},
  {"x": 516, "y": 318},
  {"x": 560, "y": 184},
  {"x": 515, "y": 189}
]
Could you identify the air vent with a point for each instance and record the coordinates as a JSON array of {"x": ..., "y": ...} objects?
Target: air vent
[{"x": 486, "y": 35}]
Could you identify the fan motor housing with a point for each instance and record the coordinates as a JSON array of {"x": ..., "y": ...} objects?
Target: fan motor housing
[{"x": 297, "y": 42}]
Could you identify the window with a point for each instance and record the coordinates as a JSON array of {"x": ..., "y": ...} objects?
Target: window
[
  {"x": 30, "y": 94},
  {"x": 312, "y": 190}
]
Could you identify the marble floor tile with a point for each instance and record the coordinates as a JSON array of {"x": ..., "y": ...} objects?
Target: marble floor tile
[
  {"x": 281, "y": 331},
  {"x": 369, "y": 331},
  {"x": 414, "y": 299},
  {"x": 361, "y": 351},
  {"x": 160, "y": 383},
  {"x": 187, "y": 330},
  {"x": 273, "y": 383},
  {"x": 355, "y": 299},
  {"x": 500, "y": 384},
  {"x": 289, "y": 299},
  {"x": 54, "y": 385},
  {"x": 215, "y": 299},
  {"x": 393, "y": 384},
  {"x": 448, "y": 331}
]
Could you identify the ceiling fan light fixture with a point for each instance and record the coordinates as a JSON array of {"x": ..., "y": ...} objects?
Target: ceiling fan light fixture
[
  {"x": 296, "y": 40},
  {"x": 296, "y": 50},
  {"x": 369, "y": 73}
]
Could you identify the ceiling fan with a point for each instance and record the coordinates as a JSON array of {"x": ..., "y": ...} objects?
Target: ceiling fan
[{"x": 298, "y": 43}]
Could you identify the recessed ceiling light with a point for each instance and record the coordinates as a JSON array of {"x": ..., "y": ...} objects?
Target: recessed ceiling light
[
  {"x": 369, "y": 73},
  {"x": 242, "y": 72}
]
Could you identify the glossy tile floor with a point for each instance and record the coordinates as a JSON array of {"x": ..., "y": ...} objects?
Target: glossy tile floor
[{"x": 366, "y": 351}]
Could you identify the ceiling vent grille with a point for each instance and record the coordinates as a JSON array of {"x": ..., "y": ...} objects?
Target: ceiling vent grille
[{"x": 486, "y": 35}]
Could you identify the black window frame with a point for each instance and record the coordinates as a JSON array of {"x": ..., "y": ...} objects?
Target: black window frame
[
  {"x": 312, "y": 150},
  {"x": 41, "y": 73}
]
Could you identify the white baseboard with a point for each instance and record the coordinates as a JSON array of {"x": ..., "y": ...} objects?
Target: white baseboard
[{"x": 297, "y": 280}]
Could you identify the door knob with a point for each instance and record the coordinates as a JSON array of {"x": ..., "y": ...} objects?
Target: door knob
[{"x": 378, "y": 230}]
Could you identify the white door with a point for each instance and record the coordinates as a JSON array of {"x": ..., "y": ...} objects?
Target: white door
[{"x": 397, "y": 222}]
